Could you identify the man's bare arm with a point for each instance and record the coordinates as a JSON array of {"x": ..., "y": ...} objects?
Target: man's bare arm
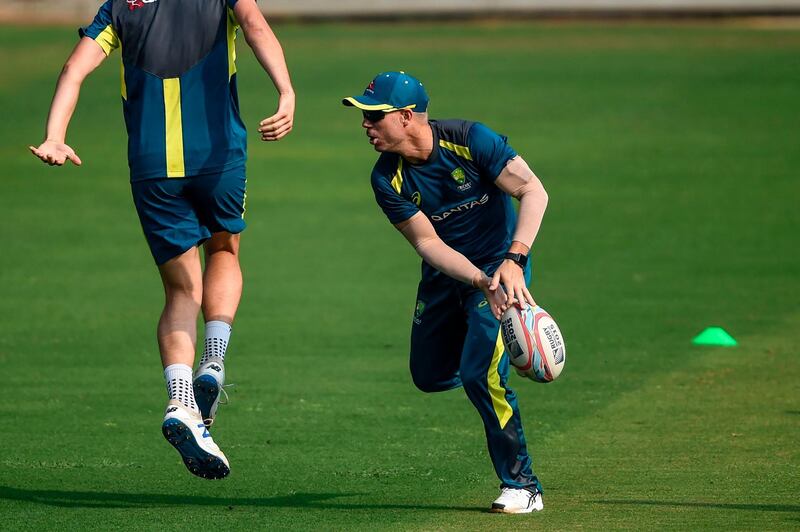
[
  {"x": 269, "y": 53},
  {"x": 518, "y": 180},
  {"x": 421, "y": 234},
  {"x": 86, "y": 57}
]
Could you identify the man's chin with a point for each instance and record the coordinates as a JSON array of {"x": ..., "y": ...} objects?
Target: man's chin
[{"x": 380, "y": 146}]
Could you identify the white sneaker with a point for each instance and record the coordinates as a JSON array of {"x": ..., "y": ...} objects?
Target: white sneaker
[
  {"x": 185, "y": 431},
  {"x": 517, "y": 501},
  {"x": 209, "y": 380}
]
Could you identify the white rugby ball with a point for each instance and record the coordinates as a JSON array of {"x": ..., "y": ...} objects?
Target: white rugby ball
[{"x": 533, "y": 342}]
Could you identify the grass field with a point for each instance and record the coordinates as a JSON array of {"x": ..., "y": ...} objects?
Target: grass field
[{"x": 671, "y": 157}]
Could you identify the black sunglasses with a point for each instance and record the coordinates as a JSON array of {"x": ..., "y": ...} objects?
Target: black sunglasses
[{"x": 373, "y": 116}]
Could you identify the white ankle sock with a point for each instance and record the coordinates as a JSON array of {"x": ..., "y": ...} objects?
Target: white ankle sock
[
  {"x": 179, "y": 385},
  {"x": 218, "y": 333}
]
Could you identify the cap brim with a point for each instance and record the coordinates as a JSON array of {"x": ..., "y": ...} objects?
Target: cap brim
[
  {"x": 369, "y": 105},
  {"x": 366, "y": 103}
]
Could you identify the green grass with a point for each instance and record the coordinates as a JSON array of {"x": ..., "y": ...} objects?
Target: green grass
[{"x": 670, "y": 155}]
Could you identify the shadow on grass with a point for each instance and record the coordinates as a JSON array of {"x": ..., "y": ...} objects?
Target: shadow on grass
[
  {"x": 96, "y": 499},
  {"x": 791, "y": 508}
]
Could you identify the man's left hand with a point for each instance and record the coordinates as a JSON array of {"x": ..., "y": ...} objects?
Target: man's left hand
[{"x": 512, "y": 278}]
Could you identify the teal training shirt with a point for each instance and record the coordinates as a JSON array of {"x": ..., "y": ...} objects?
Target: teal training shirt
[
  {"x": 455, "y": 188},
  {"x": 179, "y": 92}
]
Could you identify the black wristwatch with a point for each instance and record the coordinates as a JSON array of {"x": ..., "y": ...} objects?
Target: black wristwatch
[{"x": 520, "y": 258}]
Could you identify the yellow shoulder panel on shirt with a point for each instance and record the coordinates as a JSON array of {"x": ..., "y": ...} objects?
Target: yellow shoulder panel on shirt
[
  {"x": 461, "y": 151},
  {"x": 233, "y": 25},
  {"x": 124, "y": 88},
  {"x": 397, "y": 180},
  {"x": 108, "y": 40}
]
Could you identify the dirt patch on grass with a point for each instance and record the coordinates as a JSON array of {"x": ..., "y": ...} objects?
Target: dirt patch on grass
[{"x": 766, "y": 23}]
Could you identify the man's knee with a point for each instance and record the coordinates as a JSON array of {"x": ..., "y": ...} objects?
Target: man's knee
[
  {"x": 222, "y": 242},
  {"x": 183, "y": 287},
  {"x": 431, "y": 382},
  {"x": 425, "y": 383},
  {"x": 182, "y": 276}
]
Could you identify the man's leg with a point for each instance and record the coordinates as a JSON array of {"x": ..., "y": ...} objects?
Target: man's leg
[
  {"x": 177, "y": 333},
  {"x": 183, "y": 291},
  {"x": 218, "y": 200},
  {"x": 484, "y": 374},
  {"x": 222, "y": 280},
  {"x": 222, "y": 291}
]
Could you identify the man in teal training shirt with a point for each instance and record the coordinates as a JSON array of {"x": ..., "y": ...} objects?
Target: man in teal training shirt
[
  {"x": 187, "y": 149},
  {"x": 446, "y": 185}
]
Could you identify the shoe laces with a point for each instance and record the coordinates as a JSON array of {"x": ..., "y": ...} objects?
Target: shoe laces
[
  {"x": 227, "y": 399},
  {"x": 225, "y": 393}
]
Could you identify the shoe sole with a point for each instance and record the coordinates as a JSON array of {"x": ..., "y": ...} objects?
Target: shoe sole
[
  {"x": 504, "y": 511},
  {"x": 500, "y": 509},
  {"x": 198, "y": 461},
  {"x": 206, "y": 392}
]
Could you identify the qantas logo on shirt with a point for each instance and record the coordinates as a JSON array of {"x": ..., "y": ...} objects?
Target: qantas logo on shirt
[
  {"x": 461, "y": 208},
  {"x": 136, "y": 4}
]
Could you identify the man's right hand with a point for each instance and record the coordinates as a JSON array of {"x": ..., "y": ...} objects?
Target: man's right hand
[
  {"x": 496, "y": 297},
  {"x": 55, "y": 153},
  {"x": 280, "y": 124}
]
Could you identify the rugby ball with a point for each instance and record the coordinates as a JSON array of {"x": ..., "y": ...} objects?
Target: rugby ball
[{"x": 533, "y": 342}]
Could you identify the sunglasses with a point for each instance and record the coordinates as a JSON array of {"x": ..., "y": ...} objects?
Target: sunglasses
[{"x": 373, "y": 116}]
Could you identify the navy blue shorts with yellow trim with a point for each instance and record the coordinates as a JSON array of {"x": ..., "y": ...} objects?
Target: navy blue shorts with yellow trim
[{"x": 179, "y": 213}]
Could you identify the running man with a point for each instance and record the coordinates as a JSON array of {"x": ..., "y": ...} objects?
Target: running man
[
  {"x": 447, "y": 187},
  {"x": 187, "y": 148}
]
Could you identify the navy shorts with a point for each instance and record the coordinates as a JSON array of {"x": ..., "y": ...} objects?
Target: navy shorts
[{"x": 178, "y": 214}]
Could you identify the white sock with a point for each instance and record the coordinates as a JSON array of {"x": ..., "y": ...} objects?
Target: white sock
[
  {"x": 179, "y": 385},
  {"x": 218, "y": 333}
]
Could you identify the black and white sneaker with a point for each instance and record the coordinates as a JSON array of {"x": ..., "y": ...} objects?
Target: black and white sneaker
[{"x": 185, "y": 431}]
